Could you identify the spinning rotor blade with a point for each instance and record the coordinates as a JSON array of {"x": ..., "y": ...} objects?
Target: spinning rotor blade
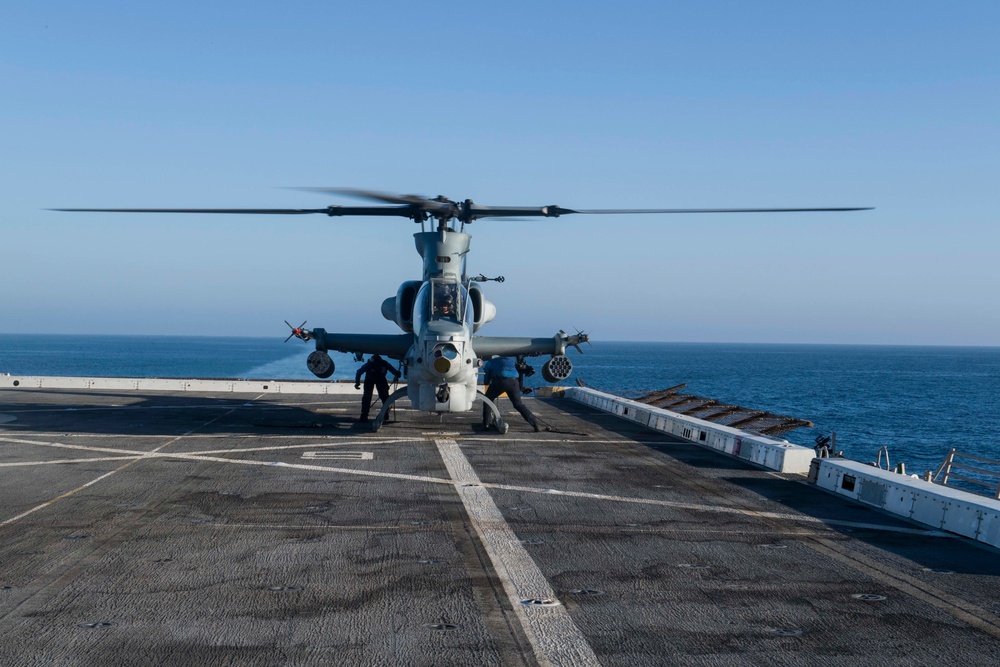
[
  {"x": 387, "y": 197},
  {"x": 420, "y": 208},
  {"x": 333, "y": 211},
  {"x": 478, "y": 211},
  {"x": 430, "y": 205},
  {"x": 274, "y": 211},
  {"x": 713, "y": 210}
]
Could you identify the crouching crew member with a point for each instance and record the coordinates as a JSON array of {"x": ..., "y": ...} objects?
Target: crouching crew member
[
  {"x": 374, "y": 371},
  {"x": 501, "y": 376}
]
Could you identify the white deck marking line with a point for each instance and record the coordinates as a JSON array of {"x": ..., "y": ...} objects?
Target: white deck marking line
[
  {"x": 212, "y": 436},
  {"x": 114, "y": 450},
  {"x": 330, "y": 526},
  {"x": 197, "y": 456},
  {"x": 554, "y": 636},
  {"x": 469, "y": 439},
  {"x": 303, "y": 466},
  {"x": 123, "y": 466},
  {"x": 84, "y": 448},
  {"x": 271, "y": 448},
  {"x": 101, "y": 408},
  {"x": 354, "y": 456},
  {"x": 125, "y": 454},
  {"x": 475, "y": 438},
  {"x": 63, "y": 461},
  {"x": 64, "y": 495},
  {"x": 717, "y": 508}
]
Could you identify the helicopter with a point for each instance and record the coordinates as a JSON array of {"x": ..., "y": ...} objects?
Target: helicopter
[{"x": 441, "y": 314}]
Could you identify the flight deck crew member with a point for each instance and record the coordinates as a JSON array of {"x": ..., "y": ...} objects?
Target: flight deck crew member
[
  {"x": 501, "y": 375},
  {"x": 374, "y": 371}
]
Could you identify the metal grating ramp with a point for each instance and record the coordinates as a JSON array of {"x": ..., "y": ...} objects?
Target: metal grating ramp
[{"x": 760, "y": 422}]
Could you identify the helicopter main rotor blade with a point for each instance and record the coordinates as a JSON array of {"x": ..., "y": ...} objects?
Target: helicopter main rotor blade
[
  {"x": 602, "y": 211},
  {"x": 475, "y": 211},
  {"x": 419, "y": 208},
  {"x": 550, "y": 211},
  {"x": 376, "y": 195},
  {"x": 333, "y": 211},
  {"x": 431, "y": 206},
  {"x": 271, "y": 211}
]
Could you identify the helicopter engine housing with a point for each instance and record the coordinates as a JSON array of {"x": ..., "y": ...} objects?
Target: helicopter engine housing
[
  {"x": 483, "y": 310},
  {"x": 399, "y": 308}
]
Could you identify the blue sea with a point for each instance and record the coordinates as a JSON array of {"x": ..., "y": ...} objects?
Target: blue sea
[{"x": 918, "y": 401}]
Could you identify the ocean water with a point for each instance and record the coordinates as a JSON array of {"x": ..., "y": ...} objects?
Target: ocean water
[{"x": 918, "y": 401}]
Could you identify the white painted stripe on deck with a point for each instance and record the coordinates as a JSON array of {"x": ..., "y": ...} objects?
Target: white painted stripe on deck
[
  {"x": 71, "y": 492},
  {"x": 67, "y": 461},
  {"x": 353, "y": 456},
  {"x": 554, "y": 636},
  {"x": 122, "y": 454}
]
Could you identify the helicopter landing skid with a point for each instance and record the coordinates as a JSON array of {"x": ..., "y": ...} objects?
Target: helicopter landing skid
[
  {"x": 393, "y": 397},
  {"x": 501, "y": 425}
]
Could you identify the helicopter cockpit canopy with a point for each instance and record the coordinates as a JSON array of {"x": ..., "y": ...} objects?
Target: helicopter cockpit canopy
[{"x": 442, "y": 299}]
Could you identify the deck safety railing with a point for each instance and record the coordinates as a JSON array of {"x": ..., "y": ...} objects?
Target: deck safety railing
[{"x": 978, "y": 476}]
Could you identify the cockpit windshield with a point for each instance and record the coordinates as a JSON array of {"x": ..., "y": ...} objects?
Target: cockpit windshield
[{"x": 442, "y": 300}]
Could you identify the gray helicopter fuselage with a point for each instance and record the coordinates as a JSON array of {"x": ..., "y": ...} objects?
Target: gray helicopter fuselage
[
  {"x": 441, "y": 366},
  {"x": 440, "y": 316}
]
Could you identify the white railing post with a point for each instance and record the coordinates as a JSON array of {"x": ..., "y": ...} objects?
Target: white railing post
[{"x": 948, "y": 460}]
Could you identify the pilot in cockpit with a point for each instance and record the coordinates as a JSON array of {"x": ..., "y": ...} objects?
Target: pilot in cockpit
[
  {"x": 444, "y": 302},
  {"x": 445, "y": 307}
]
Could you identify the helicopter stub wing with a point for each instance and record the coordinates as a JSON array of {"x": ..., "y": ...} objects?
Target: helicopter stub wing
[
  {"x": 387, "y": 345},
  {"x": 513, "y": 346}
]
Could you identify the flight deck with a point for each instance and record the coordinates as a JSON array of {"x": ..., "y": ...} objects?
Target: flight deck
[{"x": 199, "y": 528}]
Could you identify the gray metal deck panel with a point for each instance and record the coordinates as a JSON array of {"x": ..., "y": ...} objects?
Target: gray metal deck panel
[{"x": 213, "y": 529}]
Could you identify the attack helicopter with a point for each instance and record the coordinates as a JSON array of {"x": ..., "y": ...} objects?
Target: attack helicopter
[{"x": 441, "y": 314}]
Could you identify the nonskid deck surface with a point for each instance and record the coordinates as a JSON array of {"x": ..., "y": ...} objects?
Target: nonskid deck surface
[{"x": 158, "y": 528}]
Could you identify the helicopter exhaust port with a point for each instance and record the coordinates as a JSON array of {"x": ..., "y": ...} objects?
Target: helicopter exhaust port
[
  {"x": 320, "y": 364},
  {"x": 557, "y": 369}
]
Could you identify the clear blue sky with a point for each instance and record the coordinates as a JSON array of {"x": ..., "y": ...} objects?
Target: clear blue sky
[{"x": 582, "y": 104}]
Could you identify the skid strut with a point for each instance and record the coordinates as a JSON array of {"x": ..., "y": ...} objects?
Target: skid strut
[
  {"x": 393, "y": 397},
  {"x": 502, "y": 426}
]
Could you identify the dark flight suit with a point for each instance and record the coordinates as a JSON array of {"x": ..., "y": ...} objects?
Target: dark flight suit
[
  {"x": 502, "y": 376},
  {"x": 374, "y": 371}
]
